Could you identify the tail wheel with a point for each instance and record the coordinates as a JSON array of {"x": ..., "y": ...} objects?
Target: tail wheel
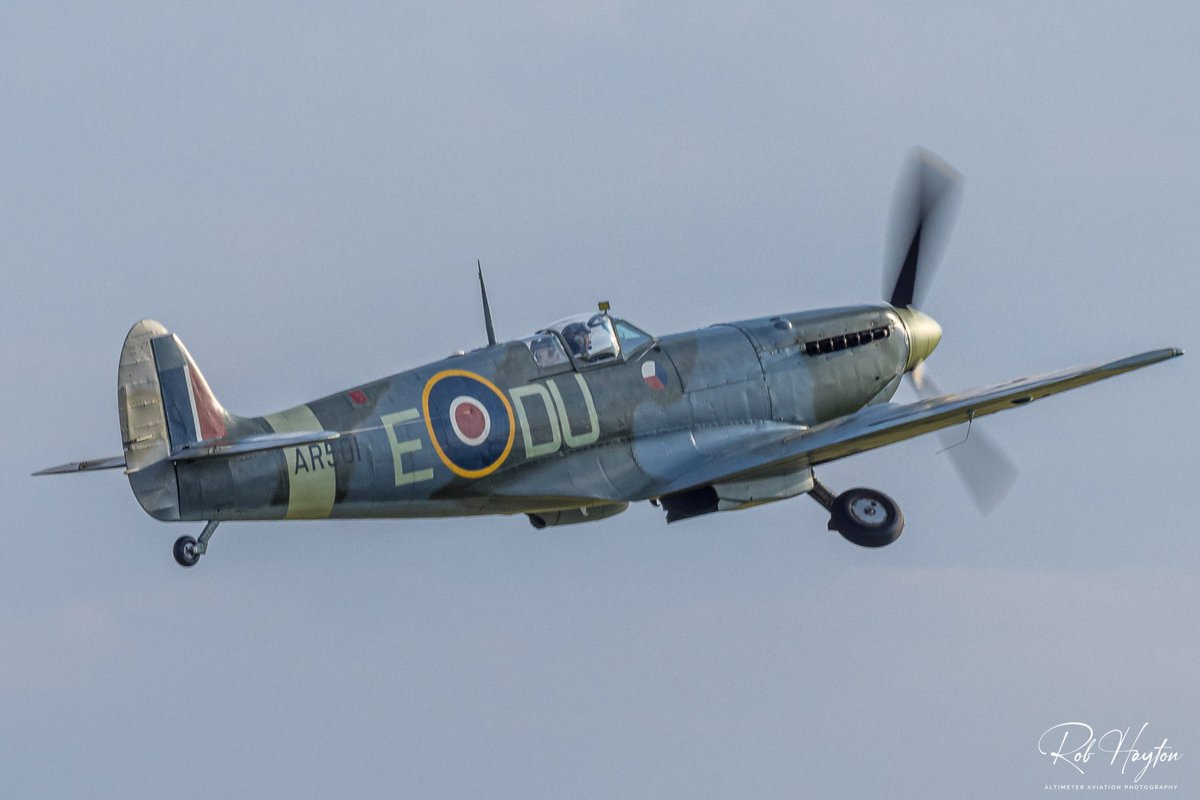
[
  {"x": 866, "y": 517},
  {"x": 186, "y": 553}
]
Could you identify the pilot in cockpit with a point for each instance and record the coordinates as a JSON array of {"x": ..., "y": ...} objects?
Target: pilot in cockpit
[
  {"x": 545, "y": 352},
  {"x": 578, "y": 339}
]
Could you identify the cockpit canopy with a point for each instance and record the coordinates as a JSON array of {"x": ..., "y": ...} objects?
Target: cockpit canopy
[{"x": 590, "y": 338}]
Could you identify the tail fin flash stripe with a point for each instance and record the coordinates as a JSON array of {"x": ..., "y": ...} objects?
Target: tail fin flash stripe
[
  {"x": 177, "y": 402},
  {"x": 191, "y": 411},
  {"x": 210, "y": 417}
]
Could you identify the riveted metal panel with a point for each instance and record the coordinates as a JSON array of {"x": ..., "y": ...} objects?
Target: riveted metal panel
[
  {"x": 144, "y": 425},
  {"x": 807, "y": 389}
]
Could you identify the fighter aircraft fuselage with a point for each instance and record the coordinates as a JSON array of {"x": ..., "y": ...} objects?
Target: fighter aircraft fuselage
[{"x": 402, "y": 452}]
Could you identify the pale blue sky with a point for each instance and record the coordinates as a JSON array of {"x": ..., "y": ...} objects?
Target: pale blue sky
[{"x": 302, "y": 193}]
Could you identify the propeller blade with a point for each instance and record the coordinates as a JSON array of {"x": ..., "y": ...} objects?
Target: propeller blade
[
  {"x": 921, "y": 217},
  {"x": 986, "y": 471}
]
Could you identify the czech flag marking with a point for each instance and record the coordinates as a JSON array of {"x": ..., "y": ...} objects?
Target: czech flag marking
[{"x": 654, "y": 375}]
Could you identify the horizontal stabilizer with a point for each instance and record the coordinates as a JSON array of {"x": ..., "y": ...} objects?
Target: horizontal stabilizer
[
  {"x": 223, "y": 448},
  {"x": 113, "y": 462}
]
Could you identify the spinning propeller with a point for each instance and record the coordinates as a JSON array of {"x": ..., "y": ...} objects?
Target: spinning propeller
[{"x": 921, "y": 218}]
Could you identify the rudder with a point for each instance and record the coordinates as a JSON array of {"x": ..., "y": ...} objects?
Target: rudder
[{"x": 165, "y": 404}]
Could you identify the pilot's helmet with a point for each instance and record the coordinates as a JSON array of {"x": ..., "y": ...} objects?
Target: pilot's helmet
[
  {"x": 543, "y": 351},
  {"x": 576, "y": 335}
]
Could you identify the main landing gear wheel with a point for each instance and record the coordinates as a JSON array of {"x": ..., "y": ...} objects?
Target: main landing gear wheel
[
  {"x": 866, "y": 517},
  {"x": 185, "y": 551}
]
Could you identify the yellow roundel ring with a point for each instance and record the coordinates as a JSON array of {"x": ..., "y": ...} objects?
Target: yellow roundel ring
[{"x": 468, "y": 456}]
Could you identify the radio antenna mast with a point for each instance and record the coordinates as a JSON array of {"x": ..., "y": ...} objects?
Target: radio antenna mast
[{"x": 487, "y": 309}]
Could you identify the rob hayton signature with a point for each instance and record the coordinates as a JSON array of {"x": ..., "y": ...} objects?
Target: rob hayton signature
[{"x": 1074, "y": 744}]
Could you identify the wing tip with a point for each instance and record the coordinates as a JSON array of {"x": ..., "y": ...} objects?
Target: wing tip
[{"x": 1149, "y": 357}]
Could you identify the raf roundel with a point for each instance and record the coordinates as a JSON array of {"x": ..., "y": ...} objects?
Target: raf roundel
[{"x": 470, "y": 422}]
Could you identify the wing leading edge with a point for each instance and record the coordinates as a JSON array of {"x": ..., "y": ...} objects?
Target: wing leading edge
[{"x": 878, "y": 426}]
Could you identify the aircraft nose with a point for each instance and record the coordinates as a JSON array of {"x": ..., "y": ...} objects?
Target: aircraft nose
[{"x": 923, "y": 335}]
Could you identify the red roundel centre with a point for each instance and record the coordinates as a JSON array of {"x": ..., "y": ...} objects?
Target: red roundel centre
[{"x": 470, "y": 420}]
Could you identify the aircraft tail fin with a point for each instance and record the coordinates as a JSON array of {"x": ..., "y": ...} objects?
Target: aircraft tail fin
[{"x": 165, "y": 405}]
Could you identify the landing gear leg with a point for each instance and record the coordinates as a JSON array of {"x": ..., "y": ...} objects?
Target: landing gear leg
[
  {"x": 188, "y": 550},
  {"x": 820, "y": 492},
  {"x": 866, "y": 517}
]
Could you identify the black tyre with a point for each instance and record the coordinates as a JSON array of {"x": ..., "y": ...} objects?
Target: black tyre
[
  {"x": 185, "y": 551},
  {"x": 866, "y": 517}
]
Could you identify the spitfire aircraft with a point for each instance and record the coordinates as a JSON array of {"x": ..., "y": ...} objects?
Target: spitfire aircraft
[{"x": 577, "y": 420}]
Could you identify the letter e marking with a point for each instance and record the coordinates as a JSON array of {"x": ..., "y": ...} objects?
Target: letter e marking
[{"x": 399, "y": 448}]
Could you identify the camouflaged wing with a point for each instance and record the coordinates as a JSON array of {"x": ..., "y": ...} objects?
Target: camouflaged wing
[{"x": 749, "y": 455}]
